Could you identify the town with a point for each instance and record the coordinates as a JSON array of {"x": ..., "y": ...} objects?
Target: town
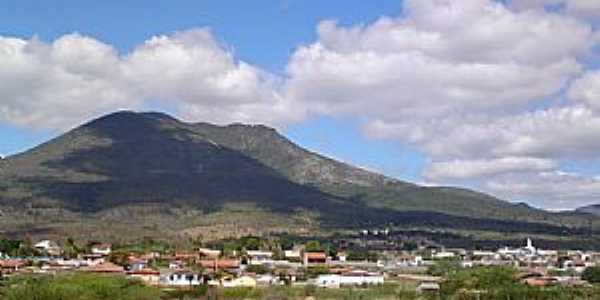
[{"x": 253, "y": 262}]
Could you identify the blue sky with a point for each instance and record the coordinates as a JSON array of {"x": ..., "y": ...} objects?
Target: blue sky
[
  {"x": 262, "y": 32},
  {"x": 456, "y": 92}
]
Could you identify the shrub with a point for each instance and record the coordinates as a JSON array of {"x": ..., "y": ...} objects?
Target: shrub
[{"x": 591, "y": 274}]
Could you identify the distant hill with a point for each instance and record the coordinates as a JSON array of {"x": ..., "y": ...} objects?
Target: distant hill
[
  {"x": 127, "y": 159},
  {"x": 589, "y": 209}
]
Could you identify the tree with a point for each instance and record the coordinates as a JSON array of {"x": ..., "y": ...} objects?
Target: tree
[
  {"x": 313, "y": 246},
  {"x": 444, "y": 268},
  {"x": 591, "y": 274},
  {"x": 257, "y": 269}
]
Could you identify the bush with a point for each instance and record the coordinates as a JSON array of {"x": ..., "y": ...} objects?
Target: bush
[
  {"x": 78, "y": 286},
  {"x": 591, "y": 274}
]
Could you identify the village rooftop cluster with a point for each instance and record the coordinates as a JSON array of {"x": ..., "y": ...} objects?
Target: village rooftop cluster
[{"x": 300, "y": 266}]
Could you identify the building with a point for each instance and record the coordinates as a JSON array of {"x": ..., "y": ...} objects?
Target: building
[
  {"x": 259, "y": 257},
  {"x": 102, "y": 249},
  {"x": 181, "y": 278},
  {"x": 312, "y": 258},
  {"x": 242, "y": 281},
  {"x": 292, "y": 254},
  {"x": 148, "y": 276},
  {"x": 349, "y": 279},
  {"x": 105, "y": 267},
  {"x": 428, "y": 287},
  {"x": 11, "y": 265},
  {"x": 216, "y": 264},
  {"x": 48, "y": 247},
  {"x": 209, "y": 253}
]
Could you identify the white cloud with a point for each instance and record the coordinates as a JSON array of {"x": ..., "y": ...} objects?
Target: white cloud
[
  {"x": 60, "y": 84},
  {"x": 587, "y": 90},
  {"x": 52, "y": 85},
  {"x": 476, "y": 86},
  {"x": 428, "y": 64},
  {"x": 465, "y": 169},
  {"x": 586, "y": 9},
  {"x": 554, "y": 190}
]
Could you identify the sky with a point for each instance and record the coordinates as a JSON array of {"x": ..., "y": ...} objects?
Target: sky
[{"x": 498, "y": 96}]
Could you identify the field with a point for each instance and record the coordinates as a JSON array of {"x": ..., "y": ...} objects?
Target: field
[{"x": 477, "y": 284}]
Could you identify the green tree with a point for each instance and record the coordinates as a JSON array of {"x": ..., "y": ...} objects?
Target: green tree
[
  {"x": 591, "y": 274},
  {"x": 313, "y": 246},
  {"x": 257, "y": 269}
]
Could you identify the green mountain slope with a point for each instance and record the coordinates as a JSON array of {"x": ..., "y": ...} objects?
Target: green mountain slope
[{"x": 375, "y": 190}]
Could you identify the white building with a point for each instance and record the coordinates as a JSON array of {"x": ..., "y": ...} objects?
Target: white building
[
  {"x": 259, "y": 257},
  {"x": 444, "y": 254},
  {"x": 292, "y": 254},
  {"x": 352, "y": 278},
  {"x": 48, "y": 247},
  {"x": 181, "y": 279},
  {"x": 102, "y": 249}
]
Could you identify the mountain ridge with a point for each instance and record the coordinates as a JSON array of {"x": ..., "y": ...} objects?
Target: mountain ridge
[{"x": 129, "y": 158}]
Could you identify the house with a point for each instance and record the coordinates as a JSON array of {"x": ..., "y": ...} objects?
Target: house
[
  {"x": 292, "y": 255},
  {"x": 93, "y": 259},
  {"x": 11, "y": 265},
  {"x": 267, "y": 279},
  {"x": 105, "y": 267},
  {"x": 242, "y": 281},
  {"x": 135, "y": 263},
  {"x": 349, "y": 279},
  {"x": 175, "y": 265},
  {"x": 182, "y": 278},
  {"x": 209, "y": 253},
  {"x": 341, "y": 256},
  {"x": 428, "y": 287},
  {"x": 227, "y": 264},
  {"x": 312, "y": 258},
  {"x": 102, "y": 249},
  {"x": 409, "y": 260},
  {"x": 186, "y": 256},
  {"x": 444, "y": 255},
  {"x": 259, "y": 257},
  {"x": 148, "y": 276},
  {"x": 48, "y": 247}
]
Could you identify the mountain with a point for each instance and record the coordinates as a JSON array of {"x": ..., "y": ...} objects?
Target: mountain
[
  {"x": 589, "y": 209},
  {"x": 124, "y": 161}
]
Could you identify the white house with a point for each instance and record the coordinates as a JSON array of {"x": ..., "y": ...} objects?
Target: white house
[
  {"x": 292, "y": 254},
  {"x": 242, "y": 281},
  {"x": 148, "y": 276},
  {"x": 352, "y": 278},
  {"x": 181, "y": 278},
  {"x": 210, "y": 253},
  {"x": 102, "y": 249},
  {"x": 48, "y": 247},
  {"x": 259, "y": 257},
  {"x": 444, "y": 255}
]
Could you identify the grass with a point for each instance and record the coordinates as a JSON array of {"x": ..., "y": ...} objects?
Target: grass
[{"x": 76, "y": 287}]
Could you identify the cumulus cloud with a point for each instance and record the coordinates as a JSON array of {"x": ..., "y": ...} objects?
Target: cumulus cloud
[
  {"x": 476, "y": 85},
  {"x": 52, "y": 85},
  {"x": 469, "y": 169},
  {"x": 430, "y": 64},
  {"x": 555, "y": 190},
  {"x": 587, "y": 90},
  {"x": 59, "y": 84},
  {"x": 587, "y": 9}
]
